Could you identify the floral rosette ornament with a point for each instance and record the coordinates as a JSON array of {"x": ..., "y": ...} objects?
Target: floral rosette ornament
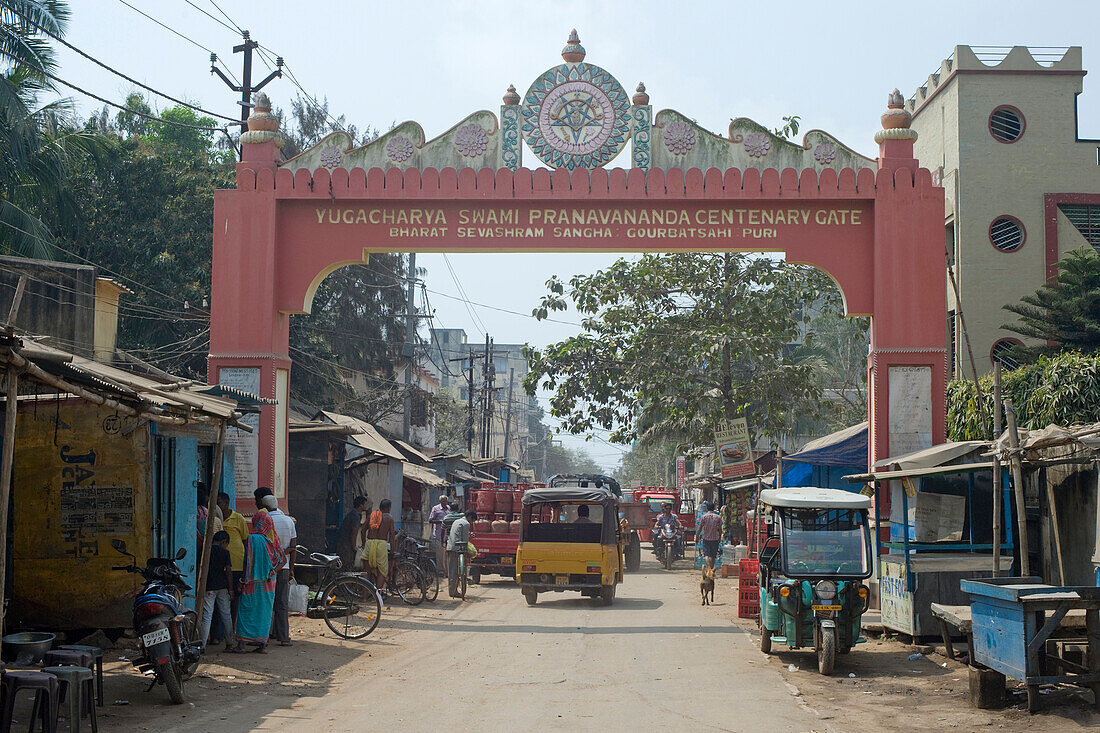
[
  {"x": 679, "y": 138},
  {"x": 757, "y": 144},
  {"x": 825, "y": 153},
  {"x": 399, "y": 149},
  {"x": 471, "y": 140},
  {"x": 331, "y": 156}
]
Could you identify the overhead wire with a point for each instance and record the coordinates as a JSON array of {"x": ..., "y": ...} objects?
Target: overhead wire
[{"x": 128, "y": 78}]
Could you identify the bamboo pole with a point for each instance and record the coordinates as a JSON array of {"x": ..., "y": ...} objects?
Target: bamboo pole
[
  {"x": 1018, "y": 482},
  {"x": 11, "y": 392},
  {"x": 208, "y": 538},
  {"x": 1054, "y": 532},
  {"x": 997, "y": 493}
]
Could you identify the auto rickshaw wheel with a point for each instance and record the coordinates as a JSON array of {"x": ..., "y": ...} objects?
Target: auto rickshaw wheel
[
  {"x": 607, "y": 594},
  {"x": 826, "y": 652},
  {"x": 532, "y": 597},
  {"x": 765, "y": 639}
]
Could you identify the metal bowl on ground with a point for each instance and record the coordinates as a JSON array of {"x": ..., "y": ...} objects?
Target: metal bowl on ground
[{"x": 27, "y": 647}]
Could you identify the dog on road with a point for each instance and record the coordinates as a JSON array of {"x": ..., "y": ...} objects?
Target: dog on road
[{"x": 706, "y": 585}]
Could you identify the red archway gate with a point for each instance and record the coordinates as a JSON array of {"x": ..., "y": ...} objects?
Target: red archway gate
[{"x": 877, "y": 231}]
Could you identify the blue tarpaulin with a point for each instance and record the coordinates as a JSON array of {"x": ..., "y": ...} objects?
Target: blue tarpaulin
[{"x": 825, "y": 461}]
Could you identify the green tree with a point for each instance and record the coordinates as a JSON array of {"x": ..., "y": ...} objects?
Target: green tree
[
  {"x": 836, "y": 348},
  {"x": 1065, "y": 310},
  {"x": 39, "y": 143},
  {"x": 673, "y": 343}
]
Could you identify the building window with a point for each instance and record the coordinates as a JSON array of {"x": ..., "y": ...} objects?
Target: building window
[
  {"x": 445, "y": 337},
  {"x": 1006, "y": 124},
  {"x": 419, "y": 415},
  {"x": 1086, "y": 218},
  {"x": 1000, "y": 350},
  {"x": 1007, "y": 234}
]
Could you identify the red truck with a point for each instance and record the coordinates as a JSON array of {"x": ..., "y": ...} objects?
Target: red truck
[
  {"x": 496, "y": 532},
  {"x": 653, "y": 497}
]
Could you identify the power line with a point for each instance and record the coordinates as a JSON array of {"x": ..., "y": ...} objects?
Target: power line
[
  {"x": 165, "y": 27},
  {"x": 218, "y": 8},
  {"x": 116, "y": 72},
  {"x": 219, "y": 21},
  {"x": 124, "y": 108}
]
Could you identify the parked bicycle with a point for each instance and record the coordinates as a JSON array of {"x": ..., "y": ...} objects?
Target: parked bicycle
[
  {"x": 413, "y": 550},
  {"x": 405, "y": 580},
  {"x": 349, "y": 603}
]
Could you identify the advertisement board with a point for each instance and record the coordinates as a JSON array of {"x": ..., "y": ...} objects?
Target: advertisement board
[
  {"x": 734, "y": 449},
  {"x": 681, "y": 474}
]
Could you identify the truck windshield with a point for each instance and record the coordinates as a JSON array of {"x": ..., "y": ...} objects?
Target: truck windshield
[
  {"x": 824, "y": 542},
  {"x": 654, "y": 505}
]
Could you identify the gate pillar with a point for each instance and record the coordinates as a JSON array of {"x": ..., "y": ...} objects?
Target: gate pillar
[
  {"x": 249, "y": 336},
  {"x": 907, "y": 365}
]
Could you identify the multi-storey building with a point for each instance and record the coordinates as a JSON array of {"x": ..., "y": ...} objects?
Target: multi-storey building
[
  {"x": 998, "y": 127},
  {"x": 449, "y": 358}
]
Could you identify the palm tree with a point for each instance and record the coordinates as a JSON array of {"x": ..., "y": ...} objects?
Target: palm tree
[{"x": 38, "y": 143}]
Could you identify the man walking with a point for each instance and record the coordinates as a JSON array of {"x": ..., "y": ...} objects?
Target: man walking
[
  {"x": 288, "y": 539},
  {"x": 348, "y": 536},
  {"x": 236, "y": 526},
  {"x": 435, "y": 518},
  {"x": 457, "y": 545},
  {"x": 710, "y": 532}
]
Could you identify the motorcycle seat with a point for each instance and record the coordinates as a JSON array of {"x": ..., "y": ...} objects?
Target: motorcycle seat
[{"x": 325, "y": 559}]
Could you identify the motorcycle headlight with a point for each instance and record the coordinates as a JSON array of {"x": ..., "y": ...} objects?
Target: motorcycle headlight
[{"x": 825, "y": 589}]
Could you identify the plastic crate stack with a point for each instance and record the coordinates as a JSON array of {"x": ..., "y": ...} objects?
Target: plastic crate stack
[
  {"x": 751, "y": 532},
  {"x": 748, "y": 589}
]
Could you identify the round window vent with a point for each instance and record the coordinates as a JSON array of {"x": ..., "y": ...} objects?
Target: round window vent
[
  {"x": 1007, "y": 233},
  {"x": 1000, "y": 350},
  {"x": 1006, "y": 124}
]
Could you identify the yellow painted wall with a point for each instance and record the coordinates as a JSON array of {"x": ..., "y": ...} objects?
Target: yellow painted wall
[{"x": 68, "y": 505}]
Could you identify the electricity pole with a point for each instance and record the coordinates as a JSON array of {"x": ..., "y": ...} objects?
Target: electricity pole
[
  {"x": 508, "y": 420},
  {"x": 407, "y": 350},
  {"x": 246, "y": 89}
]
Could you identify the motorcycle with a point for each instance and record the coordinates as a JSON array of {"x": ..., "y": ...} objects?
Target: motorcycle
[
  {"x": 668, "y": 545},
  {"x": 165, "y": 628}
]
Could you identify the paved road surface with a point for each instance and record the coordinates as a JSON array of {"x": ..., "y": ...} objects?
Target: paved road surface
[{"x": 564, "y": 664}]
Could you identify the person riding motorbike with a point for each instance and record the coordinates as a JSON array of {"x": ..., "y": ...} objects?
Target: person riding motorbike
[{"x": 667, "y": 518}]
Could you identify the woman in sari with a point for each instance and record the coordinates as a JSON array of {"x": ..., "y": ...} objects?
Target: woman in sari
[{"x": 257, "y": 601}]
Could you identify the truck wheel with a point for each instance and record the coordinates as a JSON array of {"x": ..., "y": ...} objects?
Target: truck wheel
[
  {"x": 634, "y": 554},
  {"x": 532, "y": 597},
  {"x": 826, "y": 653},
  {"x": 607, "y": 594},
  {"x": 765, "y": 640}
]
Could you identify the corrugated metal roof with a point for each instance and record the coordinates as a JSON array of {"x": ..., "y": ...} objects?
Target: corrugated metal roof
[
  {"x": 365, "y": 435},
  {"x": 421, "y": 475},
  {"x": 412, "y": 452},
  {"x": 182, "y": 401}
]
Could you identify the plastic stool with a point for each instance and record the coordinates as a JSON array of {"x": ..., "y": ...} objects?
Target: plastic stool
[
  {"x": 67, "y": 657},
  {"x": 78, "y": 684},
  {"x": 97, "y": 656},
  {"x": 45, "y": 687}
]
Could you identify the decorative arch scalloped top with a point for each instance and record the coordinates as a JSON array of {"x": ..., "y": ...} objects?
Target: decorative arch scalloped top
[{"x": 577, "y": 115}]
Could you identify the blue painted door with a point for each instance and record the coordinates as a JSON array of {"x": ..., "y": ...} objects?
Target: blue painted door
[
  {"x": 229, "y": 476},
  {"x": 184, "y": 506}
]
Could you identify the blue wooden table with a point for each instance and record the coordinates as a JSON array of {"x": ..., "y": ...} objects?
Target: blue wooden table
[{"x": 1012, "y": 619}]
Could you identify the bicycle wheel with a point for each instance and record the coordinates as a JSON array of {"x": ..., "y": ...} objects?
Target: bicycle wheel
[
  {"x": 462, "y": 576},
  {"x": 351, "y": 607},
  {"x": 431, "y": 580},
  {"x": 408, "y": 581}
]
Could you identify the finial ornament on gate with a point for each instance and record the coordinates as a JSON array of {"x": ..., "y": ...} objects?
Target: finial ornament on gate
[
  {"x": 574, "y": 52},
  {"x": 895, "y": 120},
  {"x": 263, "y": 126}
]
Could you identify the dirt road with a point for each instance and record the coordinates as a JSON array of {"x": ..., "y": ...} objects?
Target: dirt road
[
  {"x": 656, "y": 659},
  {"x": 656, "y": 654}
]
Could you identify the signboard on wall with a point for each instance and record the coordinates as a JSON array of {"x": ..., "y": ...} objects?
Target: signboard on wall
[
  {"x": 681, "y": 474},
  {"x": 245, "y": 445},
  {"x": 910, "y": 409},
  {"x": 895, "y": 599},
  {"x": 734, "y": 448}
]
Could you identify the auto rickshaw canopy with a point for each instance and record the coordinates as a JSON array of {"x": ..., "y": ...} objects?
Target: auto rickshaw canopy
[
  {"x": 812, "y": 497},
  {"x": 575, "y": 495}
]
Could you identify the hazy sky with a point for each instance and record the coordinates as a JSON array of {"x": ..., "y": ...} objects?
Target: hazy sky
[{"x": 833, "y": 63}]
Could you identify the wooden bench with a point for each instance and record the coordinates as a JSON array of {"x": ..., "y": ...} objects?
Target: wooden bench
[{"x": 959, "y": 618}]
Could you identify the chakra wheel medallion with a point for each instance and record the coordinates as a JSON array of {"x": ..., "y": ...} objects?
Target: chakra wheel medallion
[{"x": 576, "y": 116}]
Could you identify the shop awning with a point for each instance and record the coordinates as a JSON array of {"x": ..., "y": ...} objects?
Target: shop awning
[
  {"x": 422, "y": 476},
  {"x": 847, "y": 447},
  {"x": 936, "y": 455},
  {"x": 365, "y": 435}
]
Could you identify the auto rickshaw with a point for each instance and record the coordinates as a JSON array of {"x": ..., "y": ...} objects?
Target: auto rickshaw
[
  {"x": 811, "y": 565},
  {"x": 570, "y": 540}
]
